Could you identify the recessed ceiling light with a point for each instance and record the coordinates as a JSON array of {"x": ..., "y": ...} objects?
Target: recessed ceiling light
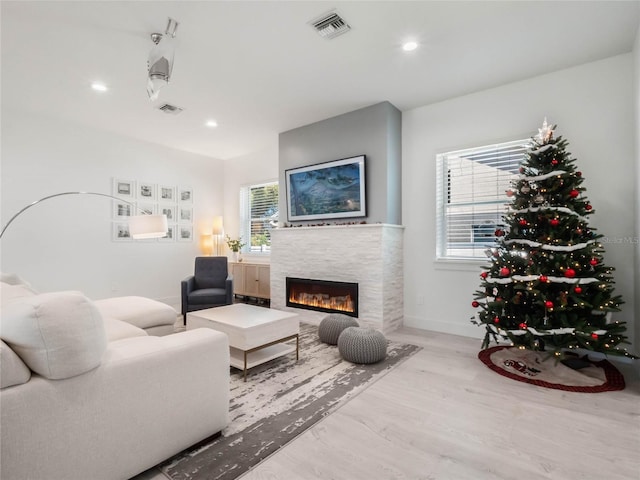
[
  {"x": 211, "y": 124},
  {"x": 409, "y": 46},
  {"x": 99, "y": 87}
]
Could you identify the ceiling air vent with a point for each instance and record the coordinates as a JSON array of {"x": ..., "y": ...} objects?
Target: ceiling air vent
[
  {"x": 170, "y": 109},
  {"x": 330, "y": 25}
]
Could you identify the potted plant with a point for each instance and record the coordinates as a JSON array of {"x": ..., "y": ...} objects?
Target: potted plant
[{"x": 235, "y": 244}]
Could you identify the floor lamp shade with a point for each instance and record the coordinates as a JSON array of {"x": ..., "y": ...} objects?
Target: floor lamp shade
[
  {"x": 148, "y": 226},
  {"x": 218, "y": 228}
]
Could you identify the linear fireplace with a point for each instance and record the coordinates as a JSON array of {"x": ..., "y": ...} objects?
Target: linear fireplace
[{"x": 322, "y": 295}]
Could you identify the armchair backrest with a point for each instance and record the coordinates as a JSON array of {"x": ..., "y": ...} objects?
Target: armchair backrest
[{"x": 210, "y": 272}]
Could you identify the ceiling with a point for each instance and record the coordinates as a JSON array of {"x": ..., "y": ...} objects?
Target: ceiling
[{"x": 258, "y": 68}]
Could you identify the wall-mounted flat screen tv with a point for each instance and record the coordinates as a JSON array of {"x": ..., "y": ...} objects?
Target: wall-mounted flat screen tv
[{"x": 327, "y": 190}]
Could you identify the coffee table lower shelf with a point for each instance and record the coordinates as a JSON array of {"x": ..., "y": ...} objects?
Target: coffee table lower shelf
[{"x": 246, "y": 359}]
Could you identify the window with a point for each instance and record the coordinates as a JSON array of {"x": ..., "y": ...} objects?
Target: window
[
  {"x": 471, "y": 197},
  {"x": 258, "y": 215}
]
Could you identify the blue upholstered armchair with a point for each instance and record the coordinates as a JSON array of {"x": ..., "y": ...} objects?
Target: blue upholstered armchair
[{"x": 211, "y": 285}]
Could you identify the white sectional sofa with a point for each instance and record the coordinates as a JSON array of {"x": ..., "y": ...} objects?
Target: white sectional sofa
[{"x": 88, "y": 397}]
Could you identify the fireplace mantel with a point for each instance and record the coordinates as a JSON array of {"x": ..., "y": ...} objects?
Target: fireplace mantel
[{"x": 368, "y": 254}]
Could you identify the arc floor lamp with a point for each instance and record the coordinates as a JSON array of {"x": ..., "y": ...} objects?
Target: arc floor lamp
[{"x": 140, "y": 226}]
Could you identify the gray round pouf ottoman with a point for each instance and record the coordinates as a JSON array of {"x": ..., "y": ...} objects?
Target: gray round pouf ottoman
[
  {"x": 362, "y": 345},
  {"x": 332, "y": 326}
]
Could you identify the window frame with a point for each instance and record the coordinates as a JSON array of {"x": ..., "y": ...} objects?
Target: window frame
[{"x": 444, "y": 245}]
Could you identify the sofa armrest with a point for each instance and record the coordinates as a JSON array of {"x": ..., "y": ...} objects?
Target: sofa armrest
[
  {"x": 164, "y": 393},
  {"x": 187, "y": 286},
  {"x": 229, "y": 289}
]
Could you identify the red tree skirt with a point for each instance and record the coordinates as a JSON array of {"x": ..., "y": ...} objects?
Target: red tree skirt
[{"x": 613, "y": 378}]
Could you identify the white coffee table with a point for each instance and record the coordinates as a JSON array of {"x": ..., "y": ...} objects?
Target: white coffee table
[{"x": 256, "y": 334}]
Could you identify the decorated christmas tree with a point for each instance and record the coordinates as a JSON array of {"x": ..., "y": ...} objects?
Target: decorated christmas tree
[{"x": 547, "y": 287}]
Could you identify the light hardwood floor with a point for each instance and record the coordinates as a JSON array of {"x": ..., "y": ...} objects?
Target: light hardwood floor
[{"x": 443, "y": 415}]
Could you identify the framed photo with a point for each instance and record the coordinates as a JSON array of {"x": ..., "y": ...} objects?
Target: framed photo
[
  {"x": 120, "y": 232},
  {"x": 185, "y": 195},
  {"x": 333, "y": 189},
  {"x": 185, "y": 214},
  {"x": 169, "y": 211},
  {"x": 124, "y": 188},
  {"x": 146, "y": 192},
  {"x": 122, "y": 210},
  {"x": 185, "y": 233},
  {"x": 166, "y": 194},
  {"x": 171, "y": 235},
  {"x": 146, "y": 208}
]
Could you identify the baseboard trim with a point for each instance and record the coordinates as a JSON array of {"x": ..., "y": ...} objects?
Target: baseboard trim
[{"x": 443, "y": 326}]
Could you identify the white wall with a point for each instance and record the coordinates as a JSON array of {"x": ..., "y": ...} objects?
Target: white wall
[
  {"x": 65, "y": 243},
  {"x": 592, "y": 105},
  {"x": 257, "y": 167}
]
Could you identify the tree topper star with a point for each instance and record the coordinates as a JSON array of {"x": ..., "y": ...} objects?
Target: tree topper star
[{"x": 545, "y": 133}]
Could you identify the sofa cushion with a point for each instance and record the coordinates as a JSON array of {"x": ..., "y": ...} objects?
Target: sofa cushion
[
  {"x": 10, "y": 292},
  {"x": 13, "y": 371},
  {"x": 207, "y": 296},
  {"x": 117, "y": 329},
  {"x": 58, "y": 335},
  {"x": 139, "y": 311}
]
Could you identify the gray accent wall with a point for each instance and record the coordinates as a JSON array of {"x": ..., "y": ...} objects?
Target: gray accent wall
[{"x": 375, "y": 131}]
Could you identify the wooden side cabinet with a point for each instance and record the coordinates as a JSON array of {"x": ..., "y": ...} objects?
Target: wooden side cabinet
[{"x": 251, "y": 279}]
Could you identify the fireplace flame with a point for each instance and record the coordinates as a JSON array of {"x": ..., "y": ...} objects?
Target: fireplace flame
[{"x": 322, "y": 300}]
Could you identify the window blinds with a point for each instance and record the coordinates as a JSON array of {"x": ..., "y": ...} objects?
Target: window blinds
[{"x": 471, "y": 196}]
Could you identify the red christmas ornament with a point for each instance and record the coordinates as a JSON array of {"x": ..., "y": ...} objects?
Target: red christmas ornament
[
  {"x": 569, "y": 273},
  {"x": 544, "y": 278},
  {"x": 554, "y": 162},
  {"x": 554, "y": 222},
  {"x": 499, "y": 233},
  {"x": 496, "y": 320},
  {"x": 579, "y": 231},
  {"x": 483, "y": 275},
  {"x": 523, "y": 326},
  {"x": 521, "y": 169},
  {"x": 509, "y": 193},
  {"x": 578, "y": 290},
  {"x": 498, "y": 299},
  {"x": 523, "y": 222},
  {"x": 594, "y": 335},
  {"x": 574, "y": 193},
  {"x": 548, "y": 304},
  {"x": 504, "y": 272},
  {"x": 578, "y": 174},
  {"x": 475, "y": 304},
  {"x": 588, "y": 207},
  {"x": 593, "y": 262}
]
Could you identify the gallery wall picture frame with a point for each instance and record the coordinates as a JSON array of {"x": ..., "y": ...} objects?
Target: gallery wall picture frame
[
  {"x": 122, "y": 210},
  {"x": 185, "y": 214},
  {"x": 125, "y": 189},
  {"x": 120, "y": 232},
  {"x": 171, "y": 235},
  {"x": 185, "y": 195},
  {"x": 185, "y": 233},
  {"x": 145, "y": 208},
  {"x": 167, "y": 194},
  {"x": 169, "y": 211},
  {"x": 147, "y": 191}
]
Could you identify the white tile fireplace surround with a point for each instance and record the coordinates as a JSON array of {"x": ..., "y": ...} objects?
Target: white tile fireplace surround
[{"x": 370, "y": 255}]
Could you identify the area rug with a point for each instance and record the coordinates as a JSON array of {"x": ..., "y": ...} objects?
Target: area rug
[
  {"x": 539, "y": 369},
  {"x": 279, "y": 401}
]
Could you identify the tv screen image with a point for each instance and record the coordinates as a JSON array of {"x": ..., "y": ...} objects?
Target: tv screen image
[{"x": 328, "y": 190}]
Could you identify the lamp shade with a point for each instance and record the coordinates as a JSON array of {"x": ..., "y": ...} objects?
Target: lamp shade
[
  {"x": 218, "y": 228},
  {"x": 148, "y": 226}
]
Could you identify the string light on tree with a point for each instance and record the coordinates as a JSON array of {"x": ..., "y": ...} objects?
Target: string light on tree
[{"x": 546, "y": 286}]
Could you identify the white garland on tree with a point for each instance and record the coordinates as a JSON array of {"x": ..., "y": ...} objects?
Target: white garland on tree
[
  {"x": 552, "y": 209},
  {"x": 555, "y": 173},
  {"x": 531, "y": 278},
  {"x": 555, "y": 248}
]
